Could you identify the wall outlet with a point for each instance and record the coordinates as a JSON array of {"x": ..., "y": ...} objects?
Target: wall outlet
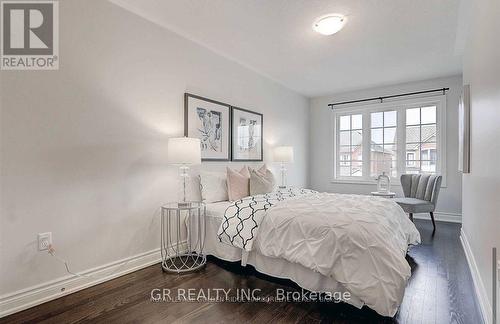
[{"x": 44, "y": 240}]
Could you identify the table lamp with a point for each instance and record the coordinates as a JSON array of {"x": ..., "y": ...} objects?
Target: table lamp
[
  {"x": 184, "y": 151},
  {"x": 283, "y": 154}
]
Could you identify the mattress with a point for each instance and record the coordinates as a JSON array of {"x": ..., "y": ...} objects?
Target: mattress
[{"x": 275, "y": 267}]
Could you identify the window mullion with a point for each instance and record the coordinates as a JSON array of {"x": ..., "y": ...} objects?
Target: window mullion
[
  {"x": 350, "y": 146},
  {"x": 336, "y": 147},
  {"x": 439, "y": 147},
  {"x": 401, "y": 141},
  {"x": 366, "y": 145},
  {"x": 420, "y": 140}
]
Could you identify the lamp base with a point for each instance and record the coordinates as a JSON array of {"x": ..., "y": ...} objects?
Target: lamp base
[
  {"x": 184, "y": 174},
  {"x": 283, "y": 176},
  {"x": 184, "y": 204}
]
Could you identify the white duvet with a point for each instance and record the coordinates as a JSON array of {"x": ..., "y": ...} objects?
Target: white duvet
[{"x": 360, "y": 241}]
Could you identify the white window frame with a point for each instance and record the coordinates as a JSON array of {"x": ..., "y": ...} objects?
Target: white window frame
[{"x": 400, "y": 106}]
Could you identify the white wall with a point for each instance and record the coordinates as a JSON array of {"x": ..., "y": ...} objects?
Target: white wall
[
  {"x": 449, "y": 204},
  {"x": 481, "y": 187},
  {"x": 84, "y": 147}
]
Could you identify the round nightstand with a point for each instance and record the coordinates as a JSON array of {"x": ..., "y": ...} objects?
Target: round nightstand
[
  {"x": 177, "y": 218},
  {"x": 384, "y": 194}
]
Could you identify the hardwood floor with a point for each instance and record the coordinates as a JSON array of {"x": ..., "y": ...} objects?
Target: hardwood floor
[{"x": 440, "y": 291}]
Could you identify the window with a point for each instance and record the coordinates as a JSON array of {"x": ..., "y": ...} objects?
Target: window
[
  {"x": 345, "y": 159},
  {"x": 410, "y": 159},
  {"x": 421, "y": 129},
  {"x": 383, "y": 152},
  {"x": 391, "y": 138},
  {"x": 350, "y": 146}
]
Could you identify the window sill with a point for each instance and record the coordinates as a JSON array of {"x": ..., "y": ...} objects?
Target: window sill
[
  {"x": 394, "y": 183},
  {"x": 361, "y": 182}
]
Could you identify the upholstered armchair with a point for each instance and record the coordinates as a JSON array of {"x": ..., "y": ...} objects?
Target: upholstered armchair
[{"x": 421, "y": 194}]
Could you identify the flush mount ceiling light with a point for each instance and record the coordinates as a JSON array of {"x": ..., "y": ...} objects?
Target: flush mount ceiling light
[{"x": 329, "y": 24}]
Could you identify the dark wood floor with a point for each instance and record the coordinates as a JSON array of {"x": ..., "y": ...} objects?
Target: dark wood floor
[{"x": 440, "y": 291}]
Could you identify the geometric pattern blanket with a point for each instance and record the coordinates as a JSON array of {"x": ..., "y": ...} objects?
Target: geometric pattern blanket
[{"x": 243, "y": 217}]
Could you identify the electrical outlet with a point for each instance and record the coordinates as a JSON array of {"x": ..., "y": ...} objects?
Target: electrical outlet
[{"x": 44, "y": 240}]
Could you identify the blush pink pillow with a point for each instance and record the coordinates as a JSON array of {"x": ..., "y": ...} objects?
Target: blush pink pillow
[{"x": 238, "y": 183}]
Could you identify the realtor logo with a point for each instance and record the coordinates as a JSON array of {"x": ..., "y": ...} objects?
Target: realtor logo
[{"x": 30, "y": 35}]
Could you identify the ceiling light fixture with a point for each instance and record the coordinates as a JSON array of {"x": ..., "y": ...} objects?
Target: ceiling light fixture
[{"x": 329, "y": 24}]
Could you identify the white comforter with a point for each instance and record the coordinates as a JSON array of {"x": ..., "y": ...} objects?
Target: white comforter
[{"x": 360, "y": 241}]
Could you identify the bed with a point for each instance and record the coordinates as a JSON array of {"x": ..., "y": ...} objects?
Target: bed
[{"x": 330, "y": 243}]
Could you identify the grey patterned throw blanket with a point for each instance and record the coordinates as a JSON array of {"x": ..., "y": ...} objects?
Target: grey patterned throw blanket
[{"x": 243, "y": 217}]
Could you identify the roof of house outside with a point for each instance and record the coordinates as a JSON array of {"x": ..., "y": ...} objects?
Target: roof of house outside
[{"x": 428, "y": 136}]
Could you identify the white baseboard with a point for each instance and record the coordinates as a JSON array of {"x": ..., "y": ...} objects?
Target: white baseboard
[
  {"x": 481, "y": 294},
  {"x": 36, "y": 295},
  {"x": 441, "y": 216}
]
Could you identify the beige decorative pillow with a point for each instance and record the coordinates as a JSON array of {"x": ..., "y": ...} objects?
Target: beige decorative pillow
[
  {"x": 261, "y": 181},
  {"x": 262, "y": 169},
  {"x": 238, "y": 183}
]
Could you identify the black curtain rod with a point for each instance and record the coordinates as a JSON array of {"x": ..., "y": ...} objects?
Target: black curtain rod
[{"x": 387, "y": 97}]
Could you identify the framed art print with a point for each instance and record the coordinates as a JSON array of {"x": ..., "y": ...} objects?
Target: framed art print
[
  {"x": 208, "y": 120},
  {"x": 247, "y": 131}
]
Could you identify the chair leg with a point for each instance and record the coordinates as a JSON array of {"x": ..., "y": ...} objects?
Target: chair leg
[
  {"x": 433, "y": 222},
  {"x": 411, "y": 216}
]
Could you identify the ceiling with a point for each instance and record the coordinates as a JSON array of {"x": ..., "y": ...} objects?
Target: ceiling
[{"x": 384, "y": 41}]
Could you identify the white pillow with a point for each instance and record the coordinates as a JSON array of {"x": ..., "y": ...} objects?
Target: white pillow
[{"x": 213, "y": 186}]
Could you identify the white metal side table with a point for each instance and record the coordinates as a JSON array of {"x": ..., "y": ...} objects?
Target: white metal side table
[{"x": 178, "y": 219}]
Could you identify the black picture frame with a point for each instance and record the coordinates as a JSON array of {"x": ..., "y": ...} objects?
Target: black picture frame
[
  {"x": 228, "y": 133},
  {"x": 233, "y": 142}
]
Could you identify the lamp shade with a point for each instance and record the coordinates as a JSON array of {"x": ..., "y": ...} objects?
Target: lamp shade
[
  {"x": 184, "y": 150},
  {"x": 283, "y": 154}
]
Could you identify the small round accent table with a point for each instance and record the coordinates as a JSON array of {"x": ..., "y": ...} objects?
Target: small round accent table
[
  {"x": 176, "y": 219},
  {"x": 384, "y": 194}
]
